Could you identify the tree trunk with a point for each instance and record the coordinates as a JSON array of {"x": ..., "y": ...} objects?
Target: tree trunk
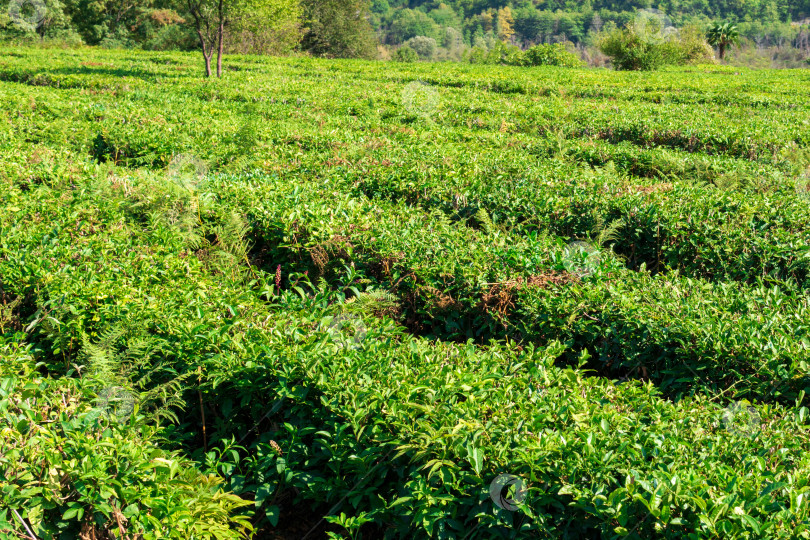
[
  {"x": 199, "y": 23},
  {"x": 207, "y": 53},
  {"x": 722, "y": 50},
  {"x": 221, "y": 39},
  {"x": 207, "y": 65},
  {"x": 220, "y": 50}
]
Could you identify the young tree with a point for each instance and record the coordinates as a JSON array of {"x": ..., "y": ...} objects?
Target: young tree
[
  {"x": 424, "y": 46},
  {"x": 488, "y": 20},
  {"x": 408, "y": 23},
  {"x": 212, "y": 20},
  {"x": 274, "y": 29},
  {"x": 722, "y": 36}
]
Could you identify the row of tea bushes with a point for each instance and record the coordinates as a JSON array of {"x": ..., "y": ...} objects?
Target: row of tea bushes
[
  {"x": 401, "y": 432},
  {"x": 699, "y": 230},
  {"x": 458, "y": 283},
  {"x": 752, "y": 235},
  {"x": 315, "y": 92}
]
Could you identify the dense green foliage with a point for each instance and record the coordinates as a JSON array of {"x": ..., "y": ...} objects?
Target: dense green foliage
[
  {"x": 322, "y": 285},
  {"x": 553, "y": 20},
  {"x": 338, "y": 28},
  {"x": 773, "y": 31},
  {"x": 640, "y": 48},
  {"x": 539, "y": 55}
]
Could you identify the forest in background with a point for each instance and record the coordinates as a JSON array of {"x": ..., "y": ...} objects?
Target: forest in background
[
  {"x": 771, "y": 22},
  {"x": 773, "y": 33}
]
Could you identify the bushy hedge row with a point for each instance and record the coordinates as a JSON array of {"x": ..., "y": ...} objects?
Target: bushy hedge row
[
  {"x": 648, "y": 113},
  {"x": 70, "y": 468},
  {"x": 134, "y": 134},
  {"x": 129, "y": 133},
  {"x": 645, "y": 49},
  {"x": 81, "y": 455},
  {"x": 399, "y": 431},
  {"x": 544, "y": 54},
  {"x": 380, "y": 426},
  {"x": 702, "y": 231},
  {"x": 680, "y": 331}
]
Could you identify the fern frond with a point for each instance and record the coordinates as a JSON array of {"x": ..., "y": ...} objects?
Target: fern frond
[
  {"x": 377, "y": 302},
  {"x": 102, "y": 360},
  {"x": 374, "y": 299},
  {"x": 161, "y": 401},
  {"x": 231, "y": 235},
  {"x": 605, "y": 234},
  {"x": 7, "y": 313},
  {"x": 231, "y": 247},
  {"x": 487, "y": 225},
  {"x": 241, "y": 164}
]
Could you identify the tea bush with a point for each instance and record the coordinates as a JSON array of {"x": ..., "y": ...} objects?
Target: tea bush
[{"x": 226, "y": 306}]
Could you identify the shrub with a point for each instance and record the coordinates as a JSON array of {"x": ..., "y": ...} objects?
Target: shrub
[
  {"x": 476, "y": 55},
  {"x": 549, "y": 54},
  {"x": 171, "y": 37},
  {"x": 690, "y": 47},
  {"x": 424, "y": 46},
  {"x": 504, "y": 53},
  {"x": 67, "y": 468},
  {"x": 405, "y": 54},
  {"x": 539, "y": 55},
  {"x": 120, "y": 39},
  {"x": 501, "y": 53},
  {"x": 628, "y": 51}
]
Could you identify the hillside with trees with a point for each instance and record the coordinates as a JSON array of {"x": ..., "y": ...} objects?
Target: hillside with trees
[
  {"x": 482, "y": 23},
  {"x": 772, "y": 33},
  {"x": 536, "y": 21}
]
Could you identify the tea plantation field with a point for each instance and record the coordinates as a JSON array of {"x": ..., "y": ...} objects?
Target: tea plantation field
[{"x": 346, "y": 299}]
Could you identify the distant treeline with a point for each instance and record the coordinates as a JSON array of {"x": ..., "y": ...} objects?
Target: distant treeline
[
  {"x": 371, "y": 28},
  {"x": 527, "y": 22},
  {"x": 333, "y": 27}
]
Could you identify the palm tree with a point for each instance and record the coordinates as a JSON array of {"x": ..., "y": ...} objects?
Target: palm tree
[{"x": 722, "y": 36}]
